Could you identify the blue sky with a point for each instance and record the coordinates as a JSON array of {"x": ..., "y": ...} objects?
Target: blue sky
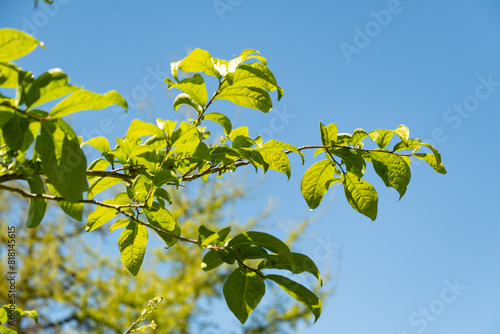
[{"x": 430, "y": 262}]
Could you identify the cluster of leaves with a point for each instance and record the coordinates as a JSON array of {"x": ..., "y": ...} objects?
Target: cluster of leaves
[
  {"x": 153, "y": 160},
  {"x": 11, "y": 313}
]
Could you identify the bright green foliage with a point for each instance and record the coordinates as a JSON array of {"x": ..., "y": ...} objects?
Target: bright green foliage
[
  {"x": 10, "y": 313},
  {"x": 154, "y": 160}
]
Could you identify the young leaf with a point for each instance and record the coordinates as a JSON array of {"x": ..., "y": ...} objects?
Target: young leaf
[
  {"x": 101, "y": 184},
  {"x": 99, "y": 143},
  {"x": 357, "y": 136},
  {"x": 132, "y": 245},
  {"x": 197, "y": 61},
  {"x": 300, "y": 293},
  {"x": 361, "y": 195},
  {"x": 87, "y": 100},
  {"x": 139, "y": 128},
  {"x": 403, "y": 132},
  {"x": 63, "y": 160},
  {"x": 6, "y": 310},
  {"x": 183, "y": 98},
  {"x": 243, "y": 291},
  {"x": 97, "y": 165},
  {"x": 382, "y": 137},
  {"x": 221, "y": 119},
  {"x": 272, "y": 153},
  {"x": 37, "y": 206},
  {"x": 194, "y": 87},
  {"x": 100, "y": 216},
  {"x": 15, "y": 44},
  {"x": 392, "y": 169},
  {"x": 250, "y": 97},
  {"x": 328, "y": 134},
  {"x": 120, "y": 223},
  {"x": 431, "y": 160},
  {"x": 316, "y": 181},
  {"x": 255, "y": 74}
]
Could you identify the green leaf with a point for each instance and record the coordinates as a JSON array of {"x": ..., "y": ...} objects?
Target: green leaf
[
  {"x": 250, "y": 97},
  {"x": 357, "y": 136},
  {"x": 316, "y": 181},
  {"x": 264, "y": 240},
  {"x": 186, "y": 138},
  {"x": 276, "y": 144},
  {"x": 211, "y": 260},
  {"x": 256, "y": 75},
  {"x": 302, "y": 264},
  {"x": 207, "y": 236},
  {"x": 15, "y": 44},
  {"x": 247, "y": 252},
  {"x": 188, "y": 100},
  {"x": 132, "y": 245},
  {"x": 382, "y": 137},
  {"x": 74, "y": 210},
  {"x": 120, "y": 223},
  {"x": 437, "y": 156},
  {"x": 101, "y": 184},
  {"x": 243, "y": 291},
  {"x": 97, "y": 165},
  {"x": 139, "y": 128},
  {"x": 167, "y": 126},
  {"x": 272, "y": 153},
  {"x": 10, "y": 75},
  {"x": 7, "y": 309},
  {"x": 63, "y": 160},
  {"x": 361, "y": 195},
  {"x": 353, "y": 160},
  {"x": 37, "y": 206},
  {"x": 431, "y": 160},
  {"x": 410, "y": 144},
  {"x": 392, "y": 169},
  {"x": 254, "y": 157},
  {"x": 164, "y": 220},
  {"x": 194, "y": 87},
  {"x": 197, "y": 61},
  {"x": 300, "y": 293},
  {"x": 87, "y": 100},
  {"x": 328, "y": 134},
  {"x": 221, "y": 119},
  {"x": 403, "y": 132},
  {"x": 99, "y": 143},
  {"x": 103, "y": 214},
  {"x": 14, "y": 131},
  {"x": 141, "y": 187},
  {"x": 49, "y": 86}
]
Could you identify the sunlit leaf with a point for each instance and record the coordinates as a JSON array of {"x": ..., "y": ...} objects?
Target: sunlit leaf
[
  {"x": 132, "y": 245},
  {"x": 316, "y": 181},
  {"x": 87, "y": 100},
  {"x": 15, "y": 44},
  {"x": 361, "y": 195}
]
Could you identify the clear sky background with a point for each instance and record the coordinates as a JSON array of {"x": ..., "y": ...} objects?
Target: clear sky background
[{"x": 431, "y": 65}]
